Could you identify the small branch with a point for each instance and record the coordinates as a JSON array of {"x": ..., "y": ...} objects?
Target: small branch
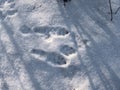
[
  {"x": 117, "y": 10},
  {"x": 111, "y": 11}
]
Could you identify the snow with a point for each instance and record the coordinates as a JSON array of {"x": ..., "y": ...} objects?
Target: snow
[{"x": 45, "y": 45}]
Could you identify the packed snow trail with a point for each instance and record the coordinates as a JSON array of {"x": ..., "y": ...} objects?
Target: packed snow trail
[{"x": 45, "y": 45}]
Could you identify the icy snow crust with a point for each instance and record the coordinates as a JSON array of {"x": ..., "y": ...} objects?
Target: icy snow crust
[{"x": 45, "y": 45}]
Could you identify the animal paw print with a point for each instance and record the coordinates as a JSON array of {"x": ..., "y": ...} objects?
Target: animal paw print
[
  {"x": 44, "y": 30},
  {"x": 56, "y": 58},
  {"x": 52, "y": 57},
  {"x": 38, "y": 52},
  {"x": 25, "y": 29},
  {"x": 7, "y": 8},
  {"x": 67, "y": 50}
]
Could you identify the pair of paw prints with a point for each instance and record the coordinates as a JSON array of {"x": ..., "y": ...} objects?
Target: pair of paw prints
[
  {"x": 7, "y": 7},
  {"x": 44, "y": 30},
  {"x": 54, "y": 57}
]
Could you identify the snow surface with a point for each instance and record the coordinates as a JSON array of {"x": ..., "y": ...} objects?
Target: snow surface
[{"x": 45, "y": 45}]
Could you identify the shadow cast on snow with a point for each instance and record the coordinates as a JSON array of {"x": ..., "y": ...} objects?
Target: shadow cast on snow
[
  {"x": 20, "y": 54},
  {"x": 97, "y": 59}
]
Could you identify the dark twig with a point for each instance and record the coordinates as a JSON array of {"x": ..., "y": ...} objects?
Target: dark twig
[
  {"x": 111, "y": 11},
  {"x": 117, "y": 10}
]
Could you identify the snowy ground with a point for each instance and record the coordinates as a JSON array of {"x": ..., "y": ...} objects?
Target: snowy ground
[{"x": 46, "y": 46}]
